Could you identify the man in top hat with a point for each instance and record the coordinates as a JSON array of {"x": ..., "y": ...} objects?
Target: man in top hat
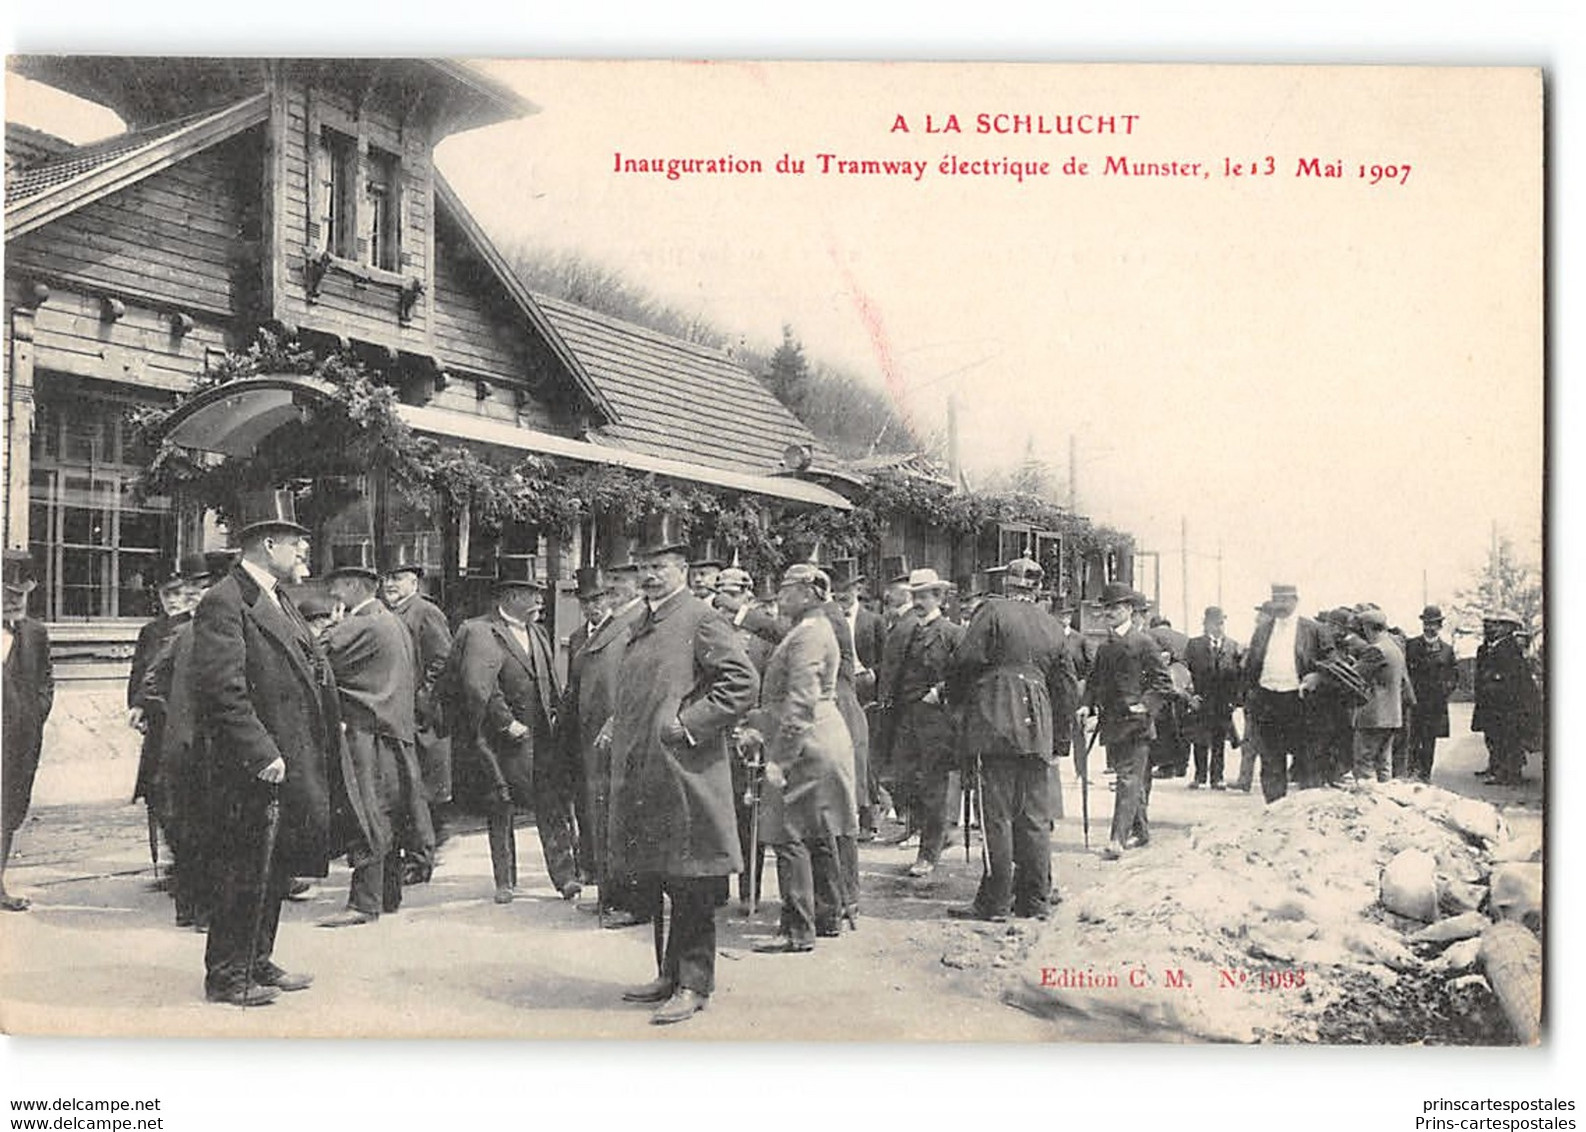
[
  {"x": 1434, "y": 674},
  {"x": 1280, "y": 671},
  {"x": 432, "y": 643},
  {"x": 29, "y": 695},
  {"x": 1020, "y": 696},
  {"x": 268, "y": 708},
  {"x": 146, "y": 711},
  {"x": 509, "y": 695},
  {"x": 1507, "y": 709},
  {"x": 1125, "y": 688},
  {"x": 587, "y": 705},
  {"x": 915, "y": 669},
  {"x": 683, "y": 684},
  {"x": 1388, "y": 691},
  {"x": 1214, "y": 660},
  {"x": 378, "y": 789},
  {"x": 704, "y": 566}
]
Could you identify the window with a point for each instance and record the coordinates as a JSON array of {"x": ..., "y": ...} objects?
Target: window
[
  {"x": 97, "y": 546},
  {"x": 335, "y": 176},
  {"x": 383, "y": 196}
]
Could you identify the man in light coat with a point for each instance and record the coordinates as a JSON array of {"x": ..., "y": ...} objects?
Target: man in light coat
[{"x": 1377, "y": 720}]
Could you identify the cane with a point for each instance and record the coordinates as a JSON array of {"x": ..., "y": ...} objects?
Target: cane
[
  {"x": 967, "y": 815},
  {"x": 154, "y": 837},
  {"x": 272, "y": 826},
  {"x": 980, "y": 805},
  {"x": 1084, "y": 784}
]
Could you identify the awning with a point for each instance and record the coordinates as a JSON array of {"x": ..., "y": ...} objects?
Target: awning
[{"x": 234, "y": 418}]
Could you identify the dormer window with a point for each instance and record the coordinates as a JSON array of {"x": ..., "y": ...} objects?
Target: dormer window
[
  {"x": 383, "y": 196},
  {"x": 336, "y": 171}
]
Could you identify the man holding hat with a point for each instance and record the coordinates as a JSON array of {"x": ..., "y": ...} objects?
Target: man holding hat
[
  {"x": 1125, "y": 688},
  {"x": 378, "y": 788},
  {"x": 1020, "y": 697},
  {"x": 1214, "y": 660},
  {"x": 1388, "y": 692},
  {"x": 29, "y": 695},
  {"x": 915, "y": 671},
  {"x": 509, "y": 692},
  {"x": 432, "y": 644},
  {"x": 267, "y": 705},
  {"x": 683, "y": 684},
  {"x": 1280, "y": 671},
  {"x": 1507, "y": 710},
  {"x": 1434, "y": 674}
]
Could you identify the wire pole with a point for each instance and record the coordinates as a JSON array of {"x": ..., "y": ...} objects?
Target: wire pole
[{"x": 1183, "y": 559}]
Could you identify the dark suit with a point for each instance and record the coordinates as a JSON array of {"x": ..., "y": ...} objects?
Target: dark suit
[
  {"x": 1507, "y": 711},
  {"x": 1126, "y": 687},
  {"x": 672, "y": 816},
  {"x": 1281, "y": 716},
  {"x": 1214, "y": 674},
  {"x": 1020, "y": 694},
  {"x": 502, "y": 683},
  {"x": 378, "y": 789},
  {"x": 29, "y": 695},
  {"x": 432, "y": 642},
  {"x": 264, "y": 691},
  {"x": 152, "y": 639},
  {"x": 1433, "y": 673},
  {"x": 185, "y": 779},
  {"x": 916, "y": 667}
]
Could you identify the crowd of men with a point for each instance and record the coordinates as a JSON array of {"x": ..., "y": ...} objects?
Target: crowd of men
[{"x": 701, "y": 721}]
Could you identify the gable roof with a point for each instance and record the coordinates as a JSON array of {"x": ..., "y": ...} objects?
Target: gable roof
[
  {"x": 61, "y": 185},
  {"x": 677, "y": 399}
]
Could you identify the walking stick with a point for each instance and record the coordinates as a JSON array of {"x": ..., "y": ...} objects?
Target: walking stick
[
  {"x": 272, "y": 826},
  {"x": 756, "y": 768},
  {"x": 154, "y": 837},
  {"x": 1084, "y": 783},
  {"x": 980, "y": 799},
  {"x": 967, "y": 815}
]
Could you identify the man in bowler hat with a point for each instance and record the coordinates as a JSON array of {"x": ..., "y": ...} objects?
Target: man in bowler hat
[
  {"x": 1434, "y": 674},
  {"x": 267, "y": 703},
  {"x": 29, "y": 695}
]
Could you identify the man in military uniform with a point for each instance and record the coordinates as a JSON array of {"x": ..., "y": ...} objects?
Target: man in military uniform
[
  {"x": 1434, "y": 674},
  {"x": 432, "y": 644},
  {"x": 684, "y": 683},
  {"x": 509, "y": 694},
  {"x": 270, "y": 716},
  {"x": 378, "y": 786},
  {"x": 1507, "y": 710},
  {"x": 1124, "y": 690},
  {"x": 29, "y": 695},
  {"x": 1020, "y": 697},
  {"x": 916, "y": 670}
]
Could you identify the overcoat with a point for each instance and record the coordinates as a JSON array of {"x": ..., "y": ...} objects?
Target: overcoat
[
  {"x": 847, "y": 698},
  {"x": 265, "y": 691},
  {"x": 28, "y": 696},
  {"x": 1127, "y": 684},
  {"x": 377, "y": 779},
  {"x": 1434, "y": 673},
  {"x": 1214, "y": 674},
  {"x": 185, "y": 776},
  {"x": 153, "y": 638},
  {"x": 587, "y": 704},
  {"x": 1388, "y": 686},
  {"x": 1016, "y": 679},
  {"x": 807, "y": 737},
  {"x": 432, "y": 641},
  {"x": 498, "y": 684},
  {"x": 1506, "y": 695},
  {"x": 672, "y": 805}
]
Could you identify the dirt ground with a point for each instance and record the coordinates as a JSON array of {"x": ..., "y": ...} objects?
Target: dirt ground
[{"x": 99, "y": 954}]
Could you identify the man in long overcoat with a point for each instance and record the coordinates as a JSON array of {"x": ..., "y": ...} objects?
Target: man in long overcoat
[
  {"x": 146, "y": 713},
  {"x": 29, "y": 695},
  {"x": 509, "y": 695},
  {"x": 377, "y": 786},
  {"x": 683, "y": 684},
  {"x": 1020, "y": 696},
  {"x": 1388, "y": 692},
  {"x": 1434, "y": 674},
  {"x": 1214, "y": 660},
  {"x": 432, "y": 642},
  {"x": 1125, "y": 689},
  {"x": 1507, "y": 710},
  {"x": 808, "y": 802},
  {"x": 268, "y": 708}
]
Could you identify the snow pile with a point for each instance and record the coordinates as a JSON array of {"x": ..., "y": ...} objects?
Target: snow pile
[{"x": 1326, "y": 916}]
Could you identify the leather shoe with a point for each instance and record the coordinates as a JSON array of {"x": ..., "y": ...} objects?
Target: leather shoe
[
  {"x": 571, "y": 889},
  {"x": 921, "y": 868},
  {"x": 680, "y": 1007},
  {"x": 238, "y": 996},
  {"x": 1112, "y": 852},
  {"x": 503, "y": 894},
  {"x": 300, "y": 890},
  {"x": 658, "y": 991},
  {"x": 346, "y": 918},
  {"x": 622, "y": 918},
  {"x": 972, "y": 913},
  {"x": 283, "y": 980},
  {"x": 785, "y": 945}
]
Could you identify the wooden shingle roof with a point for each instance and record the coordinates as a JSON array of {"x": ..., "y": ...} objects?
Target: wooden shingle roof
[
  {"x": 677, "y": 399},
  {"x": 75, "y": 162}
]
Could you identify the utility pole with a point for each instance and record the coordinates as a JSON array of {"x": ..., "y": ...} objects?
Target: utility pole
[
  {"x": 1219, "y": 573},
  {"x": 954, "y": 469},
  {"x": 1426, "y": 597},
  {"x": 1073, "y": 474},
  {"x": 1183, "y": 565}
]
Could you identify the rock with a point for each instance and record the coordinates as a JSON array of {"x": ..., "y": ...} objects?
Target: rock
[
  {"x": 1460, "y": 956},
  {"x": 1455, "y": 928},
  {"x": 1512, "y": 958},
  {"x": 1527, "y": 847},
  {"x": 1457, "y": 896},
  {"x": 1409, "y": 885},
  {"x": 1291, "y": 908},
  {"x": 956, "y": 961},
  {"x": 1477, "y": 820},
  {"x": 1380, "y": 945},
  {"x": 1471, "y": 998},
  {"x": 1516, "y": 893}
]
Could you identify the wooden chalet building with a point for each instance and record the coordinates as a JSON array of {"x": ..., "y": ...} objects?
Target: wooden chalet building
[{"x": 300, "y": 195}]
